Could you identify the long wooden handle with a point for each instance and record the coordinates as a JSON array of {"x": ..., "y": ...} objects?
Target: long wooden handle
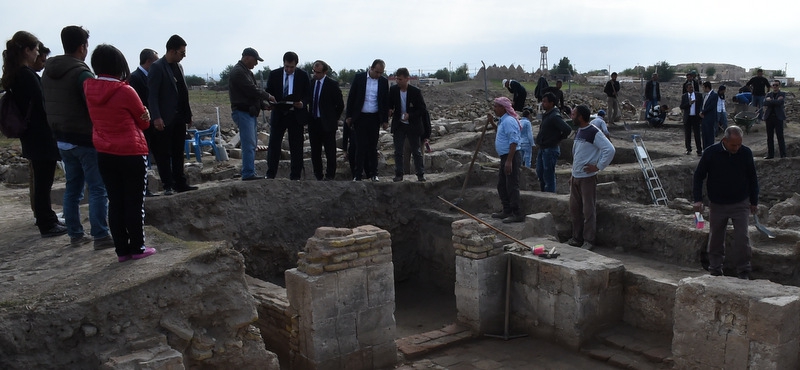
[{"x": 501, "y": 232}]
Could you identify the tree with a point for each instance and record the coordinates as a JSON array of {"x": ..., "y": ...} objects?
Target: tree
[
  {"x": 461, "y": 73},
  {"x": 263, "y": 74},
  {"x": 779, "y": 73},
  {"x": 711, "y": 72},
  {"x": 564, "y": 67},
  {"x": 225, "y": 76},
  {"x": 347, "y": 75},
  {"x": 665, "y": 71},
  {"x": 194, "y": 80},
  {"x": 442, "y": 74}
]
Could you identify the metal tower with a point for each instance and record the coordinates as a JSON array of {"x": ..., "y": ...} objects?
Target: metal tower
[{"x": 543, "y": 62}]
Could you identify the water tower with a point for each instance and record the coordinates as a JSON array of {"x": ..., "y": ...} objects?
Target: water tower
[{"x": 543, "y": 62}]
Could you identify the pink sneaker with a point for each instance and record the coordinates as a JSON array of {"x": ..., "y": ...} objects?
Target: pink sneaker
[
  {"x": 124, "y": 258},
  {"x": 147, "y": 253}
]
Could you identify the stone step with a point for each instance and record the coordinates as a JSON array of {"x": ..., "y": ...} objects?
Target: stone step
[
  {"x": 627, "y": 347},
  {"x": 418, "y": 345}
]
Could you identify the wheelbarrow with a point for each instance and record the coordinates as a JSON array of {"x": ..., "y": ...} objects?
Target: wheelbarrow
[{"x": 746, "y": 119}]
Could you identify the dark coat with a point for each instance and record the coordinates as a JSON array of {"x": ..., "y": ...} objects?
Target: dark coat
[
  {"x": 775, "y": 104},
  {"x": 710, "y": 109},
  {"x": 163, "y": 90},
  {"x": 37, "y": 141},
  {"x": 358, "y": 91},
  {"x": 331, "y": 104},
  {"x": 648, "y": 90},
  {"x": 301, "y": 92},
  {"x": 138, "y": 81},
  {"x": 418, "y": 124},
  {"x": 686, "y": 104}
]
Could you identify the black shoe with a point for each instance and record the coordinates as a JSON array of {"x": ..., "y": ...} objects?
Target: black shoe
[
  {"x": 56, "y": 230},
  {"x": 421, "y": 178},
  {"x": 149, "y": 194},
  {"x": 769, "y": 157},
  {"x": 186, "y": 188},
  {"x": 715, "y": 272},
  {"x": 700, "y": 154},
  {"x": 688, "y": 152},
  {"x": 398, "y": 178},
  {"x": 744, "y": 275},
  {"x": 375, "y": 179},
  {"x": 514, "y": 218},
  {"x": 502, "y": 214}
]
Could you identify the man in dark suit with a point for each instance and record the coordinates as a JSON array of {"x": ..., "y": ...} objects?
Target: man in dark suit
[
  {"x": 774, "y": 115},
  {"x": 690, "y": 104},
  {"x": 171, "y": 115},
  {"x": 138, "y": 80},
  {"x": 652, "y": 92},
  {"x": 291, "y": 88},
  {"x": 327, "y": 106},
  {"x": 368, "y": 110},
  {"x": 709, "y": 114},
  {"x": 408, "y": 122}
]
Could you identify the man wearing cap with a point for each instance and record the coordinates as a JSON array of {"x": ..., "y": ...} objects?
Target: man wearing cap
[
  {"x": 291, "y": 88},
  {"x": 247, "y": 101},
  {"x": 520, "y": 94},
  {"x": 759, "y": 85},
  {"x": 506, "y": 141},
  {"x": 612, "y": 92},
  {"x": 652, "y": 92}
]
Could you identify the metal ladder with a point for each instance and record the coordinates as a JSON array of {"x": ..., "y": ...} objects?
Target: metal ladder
[{"x": 657, "y": 192}]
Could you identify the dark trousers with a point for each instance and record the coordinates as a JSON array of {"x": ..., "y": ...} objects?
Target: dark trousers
[
  {"x": 582, "y": 210},
  {"x": 508, "y": 185},
  {"x": 43, "y": 173},
  {"x": 367, "y": 128},
  {"x": 692, "y": 124},
  {"x": 775, "y": 128},
  {"x": 708, "y": 131},
  {"x": 400, "y": 136},
  {"x": 125, "y": 178},
  {"x": 740, "y": 252},
  {"x": 168, "y": 150},
  {"x": 283, "y": 121},
  {"x": 319, "y": 138}
]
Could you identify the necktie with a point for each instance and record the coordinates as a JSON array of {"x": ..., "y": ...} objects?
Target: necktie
[
  {"x": 316, "y": 99},
  {"x": 286, "y": 86}
]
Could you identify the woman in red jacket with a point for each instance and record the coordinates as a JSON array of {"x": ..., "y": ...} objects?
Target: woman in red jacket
[{"x": 118, "y": 119}]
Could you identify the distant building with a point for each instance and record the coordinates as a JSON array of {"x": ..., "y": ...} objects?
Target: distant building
[{"x": 430, "y": 81}]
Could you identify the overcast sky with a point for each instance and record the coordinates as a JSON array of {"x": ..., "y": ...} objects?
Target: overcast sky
[{"x": 426, "y": 35}]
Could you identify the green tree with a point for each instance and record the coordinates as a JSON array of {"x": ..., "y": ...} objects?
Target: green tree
[
  {"x": 563, "y": 67},
  {"x": 461, "y": 73},
  {"x": 225, "y": 76},
  {"x": 634, "y": 72},
  {"x": 779, "y": 73},
  {"x": 194, "y": 80},
  {"x": 442, "y": 74},
  {"x": 711, "y": 72},
  {"x": 347, "y": 75},
  {"x": 262, "y": 74},
  {"x": 308, "y": 67},
  {"x": 665, "y": 71}
]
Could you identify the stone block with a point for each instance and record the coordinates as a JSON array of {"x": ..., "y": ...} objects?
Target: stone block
[
  {"x": 768, "y": 317},
  {"x": 376, "y": 325},
  {"x": 351, "y": 295},
  {"x": 384, "y": 355},
  {"x": 380, "y": 284},
  {"x": 331, "y": 232},
  {"x": 607, "y": 190},
  {"x": 539, "y": 225}
]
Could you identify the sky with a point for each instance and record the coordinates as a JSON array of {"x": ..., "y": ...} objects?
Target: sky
[{"x": 427, "y": 35}]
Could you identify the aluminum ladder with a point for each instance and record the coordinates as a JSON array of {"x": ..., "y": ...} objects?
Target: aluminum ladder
[{"x": 657, "y": 192}]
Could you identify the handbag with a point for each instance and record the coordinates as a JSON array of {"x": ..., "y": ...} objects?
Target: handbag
[{"x": 12, "y": 123}]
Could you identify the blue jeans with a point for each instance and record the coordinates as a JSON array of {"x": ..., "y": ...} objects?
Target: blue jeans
[
  {"x": 758, "y": 101},
  {"x": 650, "y": 104},
  {"x": 526, "y": 154},
  {"x": 80, "y": 166},
  {"x": 247, "y": 135},
  {"x": 722, "y": 122},
  {"x": 546, "y": 168}
]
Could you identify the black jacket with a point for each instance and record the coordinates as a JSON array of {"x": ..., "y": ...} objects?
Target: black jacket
[
  {"x": 65, "y": 103},
  {"x": 244, "y": 92},
  {"x": 552, "y": 130},
  {"x": 138, "y": 81},
  {"x": 418, "y": 123},
  {"x": 331, "y": 103},
  {"x": 358, "y": 91},
  {"x": 37, "y": 141},
  {"x": 301, "y": 92},
  {"x": 612, "y": 88},
  {"x": 730, "y": 178}
]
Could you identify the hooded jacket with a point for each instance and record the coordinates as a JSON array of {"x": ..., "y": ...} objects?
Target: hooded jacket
[
  {"x": 116, "y": 112},
  {"x": 62, "y": 84}
]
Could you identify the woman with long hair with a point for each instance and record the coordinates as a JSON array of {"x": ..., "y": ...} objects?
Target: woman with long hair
[
  {"x": 38, "y": 145},
  {"x": 118, "y": 120}
]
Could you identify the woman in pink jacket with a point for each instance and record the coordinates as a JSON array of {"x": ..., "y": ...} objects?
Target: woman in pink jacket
[{"x": 118, "y": 118}]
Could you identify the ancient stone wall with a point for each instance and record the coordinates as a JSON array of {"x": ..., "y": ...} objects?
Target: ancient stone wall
[
  {"x": 341, "y": 300},
  {"x": 728, "y": 323}
]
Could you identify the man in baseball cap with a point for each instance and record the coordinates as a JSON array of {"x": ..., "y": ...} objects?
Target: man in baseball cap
[{"x": 250, "y": 52}]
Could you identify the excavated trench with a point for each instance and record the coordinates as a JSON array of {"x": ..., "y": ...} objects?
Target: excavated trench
[{"x": 269, "y": 222}]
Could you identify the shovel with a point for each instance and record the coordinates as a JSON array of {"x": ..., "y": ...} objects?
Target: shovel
[{"x": 763, "y": 229}]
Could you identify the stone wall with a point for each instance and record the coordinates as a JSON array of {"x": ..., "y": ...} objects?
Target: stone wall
[
  {"x": 728, "y": 323},
  {"x": 341, "y": 300},
  {"x": 274, "y": 319}
]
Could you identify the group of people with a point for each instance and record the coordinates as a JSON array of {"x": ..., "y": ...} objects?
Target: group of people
[
  {"x": 102, "y": 123},
  {"x": 296, "y": 101}
]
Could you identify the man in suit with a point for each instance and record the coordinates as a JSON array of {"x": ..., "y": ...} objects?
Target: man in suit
[
  {"x": 690, "y": 104},
  {"x": 408, "y": 122},
  {"x": 246, "y": 103},
  {"x": 368, "y": 110},
  {"x": 519, "y": 93},
  {"x": 138, "y": 80},
  {"x": 774, "y": 115},
  {"x": 327, "y": 106},
  {"x": 652, "y": 92},
  {"x": 709, "y": 114},
  {"x": 291, "y": 88},
  {"x": 171, "y": 115}
]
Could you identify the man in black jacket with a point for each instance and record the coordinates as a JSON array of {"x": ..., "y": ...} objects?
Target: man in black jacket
[
  {"x": 326, "y": 107},
  {"x": 612, "y": 92},
  {"x": 138, "y": 81},
  {"x": 367, "y": 111},
  {"x": 519, "y": 92},
  {"x": 246, "y": 103},
  {"x": 552, "y": 130},
  {"x": 732, "y": 186},
  {"x": 759, "y": 85},
  {"x": 290, "y": 87},
  {"x": 774, "y": 115},
  {"x": 408, "y": 122},
  {"x": 652, "y": 92}
]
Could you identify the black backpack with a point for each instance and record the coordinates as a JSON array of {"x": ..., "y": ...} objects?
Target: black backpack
[{"x": 12, "y": 123}]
